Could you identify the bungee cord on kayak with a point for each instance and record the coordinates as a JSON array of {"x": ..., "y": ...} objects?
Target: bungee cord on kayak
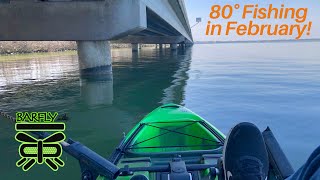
[
  {"x": 181, "y": 133},
  {"x": 217, "y": 144},
  {"x": 177, "y": 146},
  {"x": 161, "y": 134}
]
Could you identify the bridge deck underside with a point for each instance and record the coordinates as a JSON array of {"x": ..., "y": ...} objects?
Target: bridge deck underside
[
  {"x": 123, "y": 21},
  {"x": 158, "y": 31}
]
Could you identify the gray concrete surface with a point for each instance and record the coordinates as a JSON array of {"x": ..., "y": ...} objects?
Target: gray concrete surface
[
  {"x": 71, "y": 20},
  {"x": 94, "y": 56},
  {"x": 92, "y": 19}
]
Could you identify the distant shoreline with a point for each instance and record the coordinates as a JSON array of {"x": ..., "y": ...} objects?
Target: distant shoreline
[
  {"x": 257, "y": 41},
  {"x": 25, "y": 47}
]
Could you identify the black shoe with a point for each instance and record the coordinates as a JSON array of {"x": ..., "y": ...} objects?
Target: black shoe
[{"x": 244, "y": 155}]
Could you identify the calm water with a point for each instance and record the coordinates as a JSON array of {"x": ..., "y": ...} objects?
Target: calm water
[{"x": 271, "y": 84}]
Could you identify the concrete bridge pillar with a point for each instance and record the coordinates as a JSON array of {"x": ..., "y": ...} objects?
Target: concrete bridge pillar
[
  {"x": 94, "y": 57},
  {"x": 173, "y": 46},
  {"x": 135, "y": 47}
]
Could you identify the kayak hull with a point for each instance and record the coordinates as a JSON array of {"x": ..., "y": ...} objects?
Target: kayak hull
[
  {"x": 171, "y": 142},
  {"x": 170, "y": 131}
]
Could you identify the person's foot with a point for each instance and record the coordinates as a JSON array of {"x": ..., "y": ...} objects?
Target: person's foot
[{"x": 244, "y": 155}]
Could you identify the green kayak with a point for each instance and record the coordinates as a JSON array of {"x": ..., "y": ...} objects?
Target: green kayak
[
  {"x": 170, "y": 143},
  {"x": 170, "y": 132}
]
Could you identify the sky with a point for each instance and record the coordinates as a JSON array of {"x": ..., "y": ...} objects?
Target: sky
[{"x": 202, "y": 8}]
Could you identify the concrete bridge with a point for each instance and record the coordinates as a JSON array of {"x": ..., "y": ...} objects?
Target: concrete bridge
[{"x": 94, "y": 23}]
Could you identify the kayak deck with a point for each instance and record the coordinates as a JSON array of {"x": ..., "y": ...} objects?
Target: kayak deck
[
  {"x": 172, "y": 128},
  {"x": 173, "y": 136},
  {"x": 172, "y": 142},
  {"x": 170, "y": 131}
]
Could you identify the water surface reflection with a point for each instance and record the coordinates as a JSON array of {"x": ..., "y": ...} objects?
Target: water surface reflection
[
  {"x": 269, "y": 84},
  {"x": 100, "y": 108}
]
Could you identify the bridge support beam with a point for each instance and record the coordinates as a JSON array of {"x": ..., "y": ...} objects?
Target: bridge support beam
[
  {"x": 135, "y": 47},
  {"x": 173, "y": 46},
  {"x": 94, "y": 57}
]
